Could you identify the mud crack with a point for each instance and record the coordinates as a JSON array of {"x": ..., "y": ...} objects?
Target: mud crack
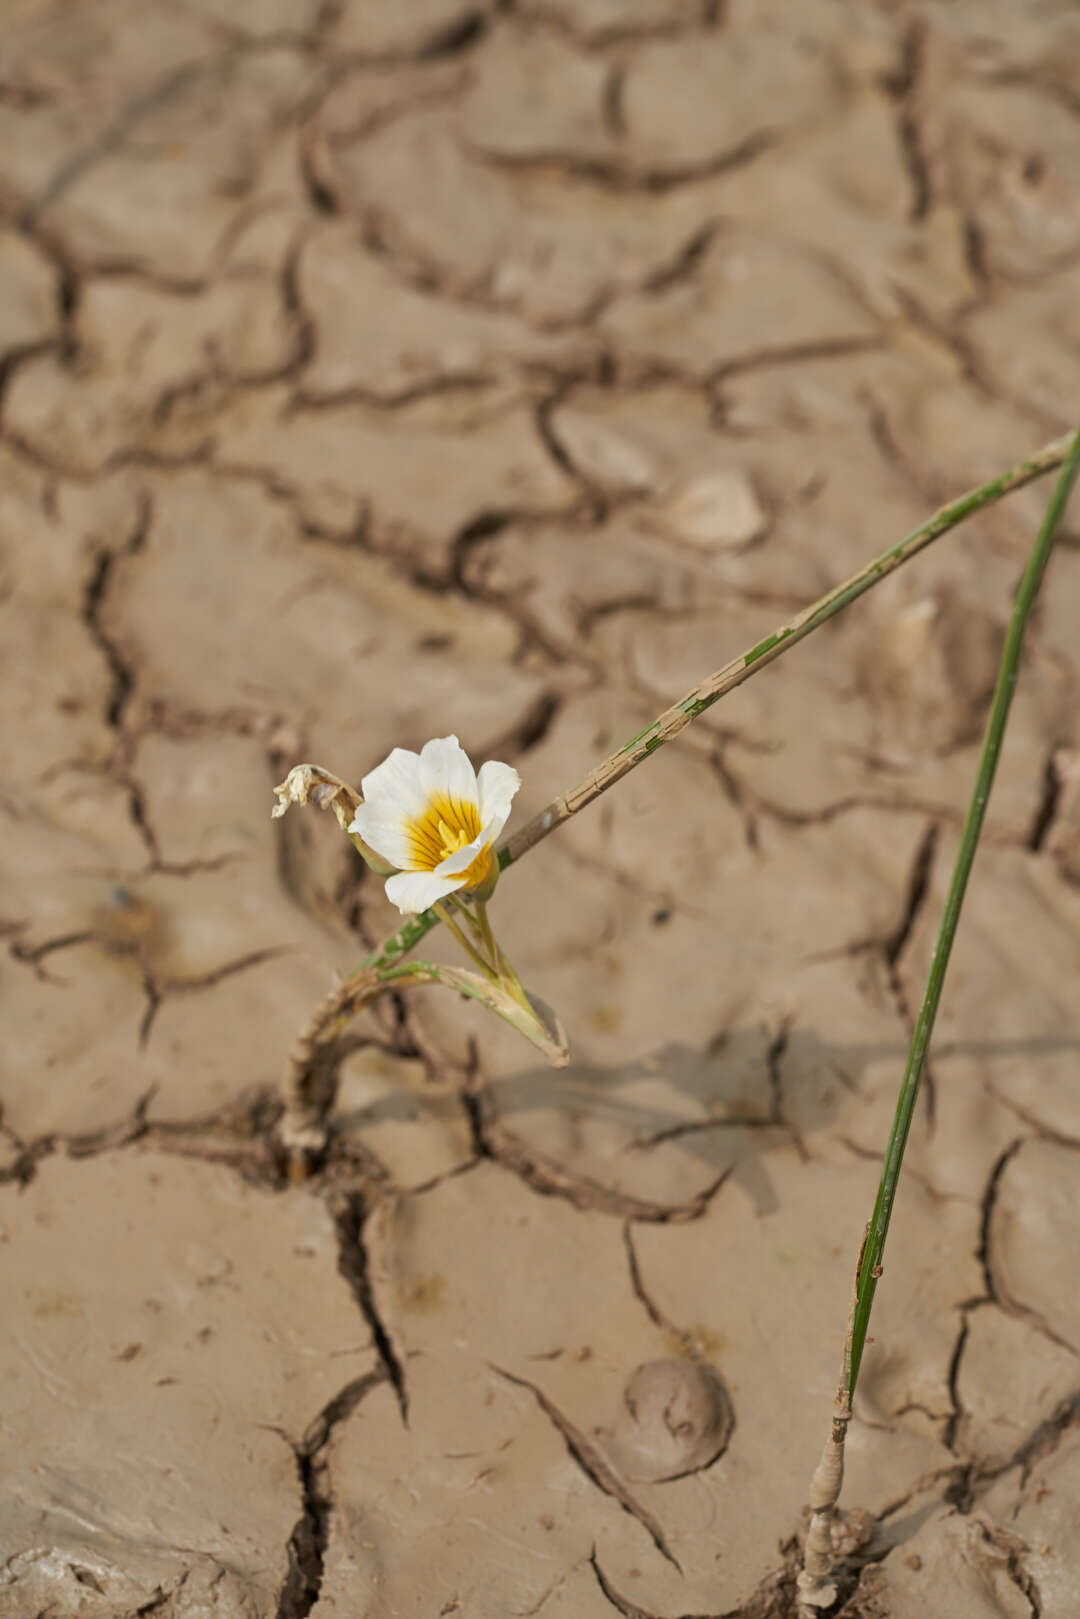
[
  {"x": 594, "y": 1467},
  {"x": 616, "y": 175},
  {"x": 529, "y": 730},
  {"x": 1049, "y": 802},
  {"x": 353, "y": 1219},
  {"x": 1045, "y": 1438},
  {"x": 605, "y": 36},
  {"x": 156, "y": 989},
  {"x": 905, "y": 87},
  {"x": 893, "y": 947},
  {"x": 115, "y": 134},
  {"x": 772, "y": 1598},
  {"x": 918, "y": 885},
  {"x": 94, "y": 597},
  {"x": 956, "y": 1415},
  {"x": 648, "y": 1303},
  {"x": 994, "y": 1287},
  {"x": 27, "y": 1156},
  {"x": 492, "y": 1139},
  {"x": 307, "y": 1543},
  {"x": 1014, "y": 1550}
]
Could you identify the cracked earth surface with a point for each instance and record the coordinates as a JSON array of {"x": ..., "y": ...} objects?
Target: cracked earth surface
[{"x": 370, "y": 371}]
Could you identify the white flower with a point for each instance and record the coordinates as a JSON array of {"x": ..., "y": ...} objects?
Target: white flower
[{"x": 433, "y": 817}]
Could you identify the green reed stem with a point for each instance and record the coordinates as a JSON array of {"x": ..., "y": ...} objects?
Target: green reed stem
[
  {"x": 442, "y": 912},
  {"x": 716, "y": 685},
  {"x": 874, "y": 1247}
]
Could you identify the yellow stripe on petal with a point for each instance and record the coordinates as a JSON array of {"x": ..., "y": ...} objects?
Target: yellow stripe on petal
[{"x": 446, "y": 826}]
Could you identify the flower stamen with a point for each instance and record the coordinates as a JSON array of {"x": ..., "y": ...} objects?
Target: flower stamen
[
  {"x": 446, "y": 826},
  {"x": 453, "y": 839}
]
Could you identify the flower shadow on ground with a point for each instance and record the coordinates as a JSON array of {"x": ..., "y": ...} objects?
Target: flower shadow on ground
[
  {"x": 727, "y": 1108},
  {"x": 722, "y": 1107}
]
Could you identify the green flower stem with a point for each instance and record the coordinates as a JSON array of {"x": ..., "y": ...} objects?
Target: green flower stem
[
  {"x": 442, "y": 911},
  {"x": 463, "y": 909},
  {"x": 674, "y": 719},
  {"x": 816, "y": 1584},
  {"x": 488, "y": 936},
  {"x": 870, "y": 1265}
]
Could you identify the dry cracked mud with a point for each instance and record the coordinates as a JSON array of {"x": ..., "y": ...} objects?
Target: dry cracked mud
[{"x": 371, "y": 371}]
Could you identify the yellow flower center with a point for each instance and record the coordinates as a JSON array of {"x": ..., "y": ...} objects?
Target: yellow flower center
[
  {"x": 453, "y": 838},
  {"x": 446, "y": 826}
]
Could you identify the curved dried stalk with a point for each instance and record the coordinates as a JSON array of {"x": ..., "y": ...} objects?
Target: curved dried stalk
[{"x": 300, "y": 1130}]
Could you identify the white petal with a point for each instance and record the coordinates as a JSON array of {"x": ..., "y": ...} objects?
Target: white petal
[
  {"x": 395, "y": 789},
  {"x": 385, "y": 837},
  {"x": 445, "y": 769},
  {"x": 462, "y": 859},
  {"x": 414, "y": 891},
  {"x": 497, "y": 785}
]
